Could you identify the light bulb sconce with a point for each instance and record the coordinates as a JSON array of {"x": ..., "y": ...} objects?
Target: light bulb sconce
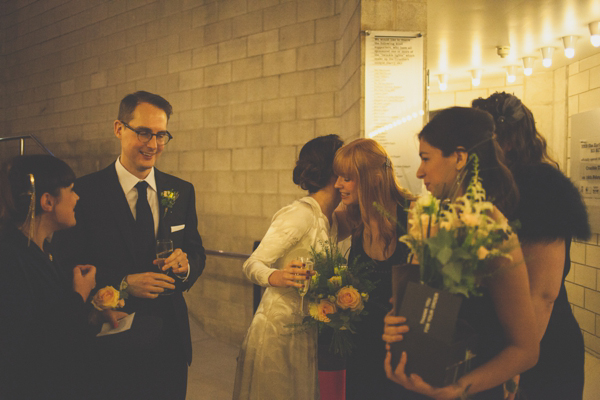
[
  {"x": 476, "y": 77},
  {"x": 511, "y": 76},
  {"x": 547, "y": 53},
  {"x": 528, "y": 65},
  {"x": 569, "y": 43},
  {"x": 443, "y": 80},
  {"x": 595, "y": 33}
]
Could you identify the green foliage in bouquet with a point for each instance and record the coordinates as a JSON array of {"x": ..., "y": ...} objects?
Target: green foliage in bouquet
[
  {"x": 455, "y": 240},
  {"x": 337, "y": 295}
]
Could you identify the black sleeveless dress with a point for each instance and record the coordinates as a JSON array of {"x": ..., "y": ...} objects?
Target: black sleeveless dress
[
  {"x": 551, "y": 208},
  {"x": 365, "y": 376}
]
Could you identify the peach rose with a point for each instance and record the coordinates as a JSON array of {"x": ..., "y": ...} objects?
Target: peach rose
[
  {"x": 319, "y": 311},
  {"x": 107, "y": 298},
  {"x": 349, "y": 298}
]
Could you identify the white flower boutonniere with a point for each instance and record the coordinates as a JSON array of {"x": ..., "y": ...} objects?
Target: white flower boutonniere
[{"x": 168, "y": 198}]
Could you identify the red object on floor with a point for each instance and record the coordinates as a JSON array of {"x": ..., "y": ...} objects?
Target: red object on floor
[{"x": 332, "y": 385}]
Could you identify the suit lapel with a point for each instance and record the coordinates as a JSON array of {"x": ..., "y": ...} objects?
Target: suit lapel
[
  {"x": 119, "y": 208},
  {"x": 164, "y": 216}
]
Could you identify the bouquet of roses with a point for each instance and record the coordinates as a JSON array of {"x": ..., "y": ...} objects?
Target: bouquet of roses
[
  {"x": 454, "y": 241},
  {"x": 336, "y": 296}
]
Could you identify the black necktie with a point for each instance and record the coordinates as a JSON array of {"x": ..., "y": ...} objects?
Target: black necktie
[{"x": 144, "y": 224}]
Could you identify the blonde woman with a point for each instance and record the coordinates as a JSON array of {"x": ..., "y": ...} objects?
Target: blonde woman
[{"x": 365, "y": 178}]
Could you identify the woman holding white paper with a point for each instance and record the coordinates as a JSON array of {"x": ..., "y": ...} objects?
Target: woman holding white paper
[{"x": 43, "y": 347}]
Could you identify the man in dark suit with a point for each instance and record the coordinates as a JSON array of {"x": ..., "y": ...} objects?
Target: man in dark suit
[{"x": 122, "y": 210}]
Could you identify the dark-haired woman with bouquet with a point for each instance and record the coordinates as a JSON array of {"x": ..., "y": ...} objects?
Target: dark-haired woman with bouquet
[
  {"x": 503, "y": 315},
  {"x": 44, "y": 316},
  {"x": 551, "y": 212},
  {"x": 277, "y": 360}
]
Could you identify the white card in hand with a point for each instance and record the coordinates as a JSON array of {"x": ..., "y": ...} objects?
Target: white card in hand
[{"x": 124, "y": 325}]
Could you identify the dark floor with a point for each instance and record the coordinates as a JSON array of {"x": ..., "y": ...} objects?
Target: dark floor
[{"x": 213, "y": 369}]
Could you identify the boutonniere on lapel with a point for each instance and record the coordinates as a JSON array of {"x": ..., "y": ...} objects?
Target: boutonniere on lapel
[{"x": 167, "y": 199}]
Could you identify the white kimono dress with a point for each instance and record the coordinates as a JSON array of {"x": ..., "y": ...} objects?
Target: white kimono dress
[{"x": 276, "y": 361}]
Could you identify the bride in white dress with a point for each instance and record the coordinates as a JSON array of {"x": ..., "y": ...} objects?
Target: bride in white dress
[{"x": 276, "y": 361}]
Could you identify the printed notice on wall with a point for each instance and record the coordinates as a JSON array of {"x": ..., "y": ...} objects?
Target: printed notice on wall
[
  {"x": 585, "y": 161},
  {"x": 394, "y": 106}
]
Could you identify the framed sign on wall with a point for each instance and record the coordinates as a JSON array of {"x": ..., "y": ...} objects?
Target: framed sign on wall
[
  {"x": 585, "y": 162},
  {"x": 394, "y": 98}
]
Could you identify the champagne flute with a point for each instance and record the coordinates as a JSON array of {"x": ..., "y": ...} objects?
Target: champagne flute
[
  {"x": 164, "y": 248},
  {"x": 308, "y": 264}
]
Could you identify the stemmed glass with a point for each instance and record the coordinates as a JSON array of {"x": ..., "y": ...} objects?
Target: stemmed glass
[
  {"x": 307, "y": 263},
  {"x": 164, "y": 248}
]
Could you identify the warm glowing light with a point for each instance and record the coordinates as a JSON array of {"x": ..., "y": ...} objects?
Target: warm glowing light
[
  {"x": 476, "y": 77},
  {"x": 396, "y": 123},
  {"x": 510, "y": 74},
  {"x": 547, "y": 56},
  {"x": 443, "y": 79},
  {"x": 569, "y": 43},
  {"x": 528, "y": 65},
  {"x": 595, "y": 32}
]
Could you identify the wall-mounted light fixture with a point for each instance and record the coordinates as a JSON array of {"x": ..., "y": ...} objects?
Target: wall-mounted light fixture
[
  {"x": 528, "y": 65},
  {"x": 511, "y": 76},
  {"x": 547, "y": 53},
  {"x": 443, "y": 79},
  {"x": 476, "y": 77},
  {"x": 595, "y": 32},
  {"x": 569, "y": 43}
]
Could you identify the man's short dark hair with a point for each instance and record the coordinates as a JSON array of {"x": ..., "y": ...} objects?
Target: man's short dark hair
[{"x": 130, "y": 102}]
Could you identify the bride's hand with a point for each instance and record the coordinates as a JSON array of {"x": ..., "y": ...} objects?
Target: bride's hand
[
  {"x": 290, "y": 276},
  {"x": 394, "y": 328},
  {"x": 416, "y": 384}
]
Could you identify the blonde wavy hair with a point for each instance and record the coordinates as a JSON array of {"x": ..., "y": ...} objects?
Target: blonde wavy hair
[{"x": 367, "y": 163}]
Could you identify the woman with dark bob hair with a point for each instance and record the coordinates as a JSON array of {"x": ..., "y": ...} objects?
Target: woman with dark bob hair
[
  {"x": 276, "y": 362},
  {"x": 503, "y": 316},
  {"x": 44, "y": 313},
  {"x": 551, "y": 212}
]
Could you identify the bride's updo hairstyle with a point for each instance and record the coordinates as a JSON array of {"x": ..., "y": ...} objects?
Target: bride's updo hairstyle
[
  {"x": 473, "y": 130},
  {"x": 50, "y": 175},
  {"x": 314, "y": 168}
]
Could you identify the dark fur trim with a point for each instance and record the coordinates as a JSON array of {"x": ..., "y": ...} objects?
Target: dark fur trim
[{"x": 550, "y": 206}]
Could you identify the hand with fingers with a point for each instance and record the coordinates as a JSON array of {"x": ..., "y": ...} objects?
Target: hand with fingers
[
  {"x": 394, "y": 328},
  {"x": 84, "y": 280},
  {"x": 177, "y": 262},
  {"x": 111, "y": 316},
  {"x": 149, "y": 284},
  {"x": 416, "y": 384},
  {"x": 292, "y": 275}
]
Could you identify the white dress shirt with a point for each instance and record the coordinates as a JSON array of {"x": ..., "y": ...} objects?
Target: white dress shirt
[{"x": 128, "y": 182}]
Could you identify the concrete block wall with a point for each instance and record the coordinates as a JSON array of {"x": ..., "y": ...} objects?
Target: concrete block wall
[
  {"x": 583, "y": 284},
  {"x": 250, "y": 82}
]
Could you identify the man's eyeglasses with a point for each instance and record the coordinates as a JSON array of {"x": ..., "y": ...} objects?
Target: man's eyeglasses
[{"x": 145, "y": 135}]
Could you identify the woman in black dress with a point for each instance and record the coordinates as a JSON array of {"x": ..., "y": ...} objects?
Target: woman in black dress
[
  {"x": 551, "y": 212},
  {"x": 366, "y": 176},
  {"x": 503, "y": 316},
  {"x": 43, "y": 313}
]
